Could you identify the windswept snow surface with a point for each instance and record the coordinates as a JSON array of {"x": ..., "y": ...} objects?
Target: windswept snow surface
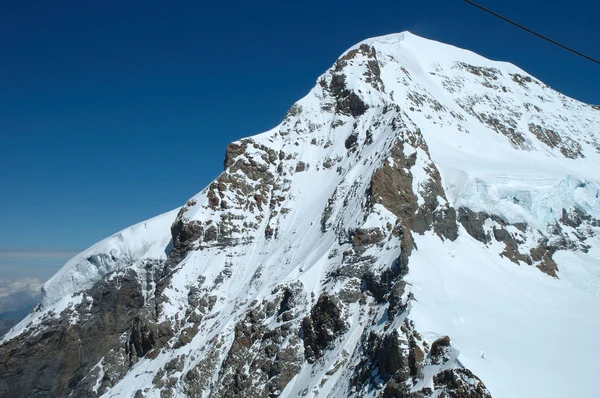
[
  {"x": 538, "y": 335},
  {"x": 504, "y": 143},
  {"x": 147, "y": 240}
]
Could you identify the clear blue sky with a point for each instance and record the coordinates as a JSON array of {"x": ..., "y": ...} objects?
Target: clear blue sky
[{"x": 112, "y": 112}]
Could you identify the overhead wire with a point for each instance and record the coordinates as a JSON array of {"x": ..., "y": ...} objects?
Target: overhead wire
[{"x": 531, "y": 31}]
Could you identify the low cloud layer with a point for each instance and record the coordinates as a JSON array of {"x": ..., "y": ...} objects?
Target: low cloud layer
[
  {"x": 36, "y": 253},
  {"x": 27, "y": 285},
  {"x": 22, "y": 274},
  {"x": 17, "y": 299}
]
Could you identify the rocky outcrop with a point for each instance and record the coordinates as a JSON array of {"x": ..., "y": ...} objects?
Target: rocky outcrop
[
  {"x": 261, "y": 361},
  {"x": 460, "y": 383},
  {"x": 63, "y": 359},
  {"x": 569, "y": 148},
  {"x": 440, "y": 349},
  {"x": 322, "y": 327},
  {"x": 392, "y": 186},
  {"x": 347, "y": 101},
  {"x": 395, "y": 363},
  {"x": 522, "y": 243},
  {"x": 473, "y": 222},
  {"x": 367, "y": 236}
]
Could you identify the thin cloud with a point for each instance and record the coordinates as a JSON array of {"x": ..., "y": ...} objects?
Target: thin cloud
[
  {"x": 29, "y": 286},
  {"x": 423, "y": 28},
  {"x": 36, "y": 253}
]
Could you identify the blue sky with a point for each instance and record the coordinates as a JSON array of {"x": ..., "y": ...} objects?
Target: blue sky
[{"x": 112, "y": 112}]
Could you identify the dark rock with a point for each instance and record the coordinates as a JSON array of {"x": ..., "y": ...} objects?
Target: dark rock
[
  {"x": 540, "y": 256},
  {"x": 440, "y": 348},
  {"x": 569, "y": 148},
  {"x": 142, "y": 338},
  {"x": 322, "y": 327},
  {"x": 210, "y": 234},
  {"x": 337, "y": 85},
  {"x": 353, "y": 105},
  {"x": 295, "y": 110},
  {"x": 445, "y": 223},
  {"x": 574, "y": 217},
  {"x": 395, "y": 299},
  {"x": 286, "y": 301},
  {"x": 416, "y": 358},
  {"x": 256, "y": 364},
  {"x": 300, "y": 167},
  {"x": 547, "y": 136},
  {"x": 367, "y": 236},
  {"x": 185, "y": 234},
  {"x": 381, "y": 285},
  {"x": 347, "y": 102},
  {"x": 269, "y": 232},
  {"x": 393, "y": 361},
  {"x": 392, "y": 186},
  {"x": 459, "y": 383},
  {"x": 502, "y": 235},
  {"x": 232, "y": 151},
  {"x": 60, "y": 355},
  {"x": 351, "y": 141},
  {"x": 546, "y": 263},
  {"x": 186, "y": 336},
  {"x": 473, "y": 224},
  {"x": 490, "y": 73},
  {"x": 520, "y": 79},
  {"x": 328, "y": 211}
]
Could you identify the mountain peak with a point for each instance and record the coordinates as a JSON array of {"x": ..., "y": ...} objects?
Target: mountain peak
[{"x": 391, "y": 38}]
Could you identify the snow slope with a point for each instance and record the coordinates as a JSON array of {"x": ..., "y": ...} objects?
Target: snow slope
[
  {"x": 532, "y": 330},
  {"x": 479, "y": 177}
]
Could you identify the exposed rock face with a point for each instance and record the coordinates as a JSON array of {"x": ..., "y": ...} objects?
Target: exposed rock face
[
  {"x": 347, "y": 102},
  {"x": 460, "y": 383},
  {"x": 299, "y": 271},
  {"x": 392, "y": 185},
  {"x": 524, "y": 244},
  {"x": 61, "y": 359},
  {"x": 368, "y": 236},
  {"x": 399, "y": 359},
  {"x": 569, "y": 148},
  {"x": 439, "y": 350},
  {"x": 322, "y": 327}
]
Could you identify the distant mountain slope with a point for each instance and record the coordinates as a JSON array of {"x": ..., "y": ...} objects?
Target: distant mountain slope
[
  {"x": 424, "y": 223},
  {"x": 17, "y": 298}
]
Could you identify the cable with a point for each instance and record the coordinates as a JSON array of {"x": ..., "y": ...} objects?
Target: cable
[{"x": 531, "y": 31}]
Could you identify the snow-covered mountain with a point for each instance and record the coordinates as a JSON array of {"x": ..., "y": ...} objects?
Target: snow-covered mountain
[{"x": 424, "y": 223}]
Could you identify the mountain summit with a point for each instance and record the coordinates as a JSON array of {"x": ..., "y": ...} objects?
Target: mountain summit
[{"x": 424, "y": 223}]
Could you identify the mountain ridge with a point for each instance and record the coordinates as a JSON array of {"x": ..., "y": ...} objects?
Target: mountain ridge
[{"x": 310, "y": 266}]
